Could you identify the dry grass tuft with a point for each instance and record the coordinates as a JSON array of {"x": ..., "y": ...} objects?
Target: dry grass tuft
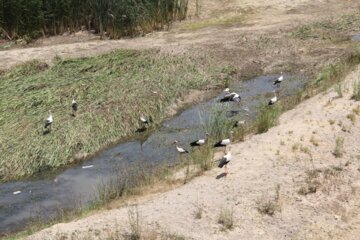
[
  {"x": 339, "y": 147},
  {"x": 226, "y": 218}
]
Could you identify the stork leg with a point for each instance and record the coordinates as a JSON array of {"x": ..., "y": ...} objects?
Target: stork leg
[{"x": 226, "y": 170}]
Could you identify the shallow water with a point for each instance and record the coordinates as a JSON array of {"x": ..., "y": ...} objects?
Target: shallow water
[
  {"x": 356, "y": 37},
  {"x": 43, "y": 198}
]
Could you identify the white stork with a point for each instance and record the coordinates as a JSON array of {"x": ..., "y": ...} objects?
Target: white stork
[
  {"x": 279, "y": 80},
  {"x": 49, "y": 120},
  {"x": 224, "y": 142},
  {"x": 273, "y": 100},
  {"x": 200, "y": 142},
  {"x": 74, "y": 107},
  {"x": 230, "y": 97},
  {"x": 143, "y": 120},
  {"x": 225, "y": 160},
  {"x": 180, "y": 149},
  {"x": 239, "y": 123}
]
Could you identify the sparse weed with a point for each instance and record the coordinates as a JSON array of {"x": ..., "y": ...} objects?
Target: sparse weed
[
  {"x": 339, "y": 147},
  {"x": 351, "y": 117},
  {"x": 199, "y": 209},
  {"x": 269, "y": 205},
  {"x": 314, "y": 141},
  {"x": 226, "y": 218},
  {"x": 338, "y": 90},
  {"x": 134, "y": 218}
]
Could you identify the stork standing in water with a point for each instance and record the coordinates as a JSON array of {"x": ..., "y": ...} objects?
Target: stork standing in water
[
  {"x": 239, "y": 123},
  {"x": 74, "y": 107},
  {"x": 179, "y": 149},
  {"x": 224, "y": 142},
  {"x": 279, "y": 80},
  {"x": 230, "y": 97},
  {"x": 49, "y": 120},
  {"x": 225, "y": 160},
  {"x": 273, "y": 100},
  {"x": 200, "y": 142}
]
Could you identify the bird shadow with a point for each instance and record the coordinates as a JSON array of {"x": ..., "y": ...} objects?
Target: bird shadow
[
  {"x": 221, "y": 175},
  {"x": 46, "y": 132},
  {"x": 141, "y": 130}
]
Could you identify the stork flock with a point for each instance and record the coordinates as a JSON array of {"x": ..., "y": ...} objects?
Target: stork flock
[{"x": 229, "y": 97}]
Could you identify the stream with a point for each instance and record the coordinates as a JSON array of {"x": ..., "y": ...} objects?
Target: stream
[{"x": 23, "y": 201}]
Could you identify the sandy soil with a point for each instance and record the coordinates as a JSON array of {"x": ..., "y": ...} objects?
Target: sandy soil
[{"x": 303, "y": 142}]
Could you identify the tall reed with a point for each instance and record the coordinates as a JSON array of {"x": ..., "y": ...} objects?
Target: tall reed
[{"x": 114, "y": 18}]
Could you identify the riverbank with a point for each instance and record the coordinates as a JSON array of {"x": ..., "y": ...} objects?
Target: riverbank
[{"x": 300, "y": 180}]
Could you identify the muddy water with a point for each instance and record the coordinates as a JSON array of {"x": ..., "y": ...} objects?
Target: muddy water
[{"x": 77, "y": 186}]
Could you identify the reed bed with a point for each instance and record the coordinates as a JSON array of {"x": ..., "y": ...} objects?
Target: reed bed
[{"x": 113, "y": 18}]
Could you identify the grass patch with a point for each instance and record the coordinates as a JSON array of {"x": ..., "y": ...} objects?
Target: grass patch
[
  {"x": 268, "y": 118},
  {"x": 106, "y": 88},
  {"x": 331, "y": 29}
]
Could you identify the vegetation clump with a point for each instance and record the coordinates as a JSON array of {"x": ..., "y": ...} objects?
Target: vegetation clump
[
  {"x": 31, "y": 19},
  {"x": 268, "y": 118}
]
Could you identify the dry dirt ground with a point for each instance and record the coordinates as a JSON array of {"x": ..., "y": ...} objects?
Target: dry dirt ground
[
  {"x": 315, "y": 194},
  {"x": 252, "y": 35},
  {"x": 295, "y": 156}
]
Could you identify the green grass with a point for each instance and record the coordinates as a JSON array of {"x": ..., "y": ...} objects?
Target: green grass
[
  {"x": 112, "y": 90},
  {"x": 268, "y": 117}
]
